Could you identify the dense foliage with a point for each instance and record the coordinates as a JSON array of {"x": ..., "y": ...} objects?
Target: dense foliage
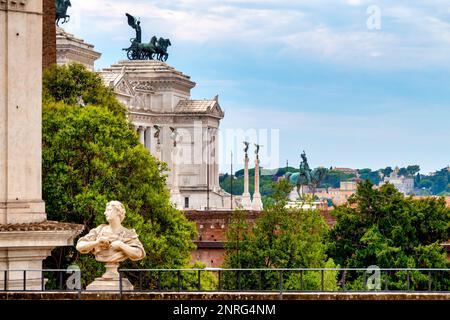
[
  {"x": 279, "y": 238},
  {"x": 92, "y": 156},
  {"x": 382, "y": 227},
  {"x": 76, "y": 86}
]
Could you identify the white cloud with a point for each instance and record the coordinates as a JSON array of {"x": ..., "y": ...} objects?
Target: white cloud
[{"x": 412, "y": 35}]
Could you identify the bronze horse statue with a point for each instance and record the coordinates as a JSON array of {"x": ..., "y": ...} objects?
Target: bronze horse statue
[
  {"x": 61, "y": 11},
  {"x": 143, "y": 51}
]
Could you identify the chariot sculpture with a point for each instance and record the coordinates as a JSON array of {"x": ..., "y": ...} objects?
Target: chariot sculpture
[{"x": 155, "y": 49}]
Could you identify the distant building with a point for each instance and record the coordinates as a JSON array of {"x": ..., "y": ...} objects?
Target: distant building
[
  {"x": 345, "y": 170},
  {"x": 403, "y": 184},
  {"x": 338, "y": 196}
]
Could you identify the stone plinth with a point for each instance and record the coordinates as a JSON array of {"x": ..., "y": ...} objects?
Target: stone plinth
[
  {"x": 101, "y": 284},
  {"x": 71, "y": 49},
  {"x": 256, "y": 202}
]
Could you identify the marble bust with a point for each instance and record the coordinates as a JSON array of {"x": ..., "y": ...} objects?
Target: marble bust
[{"x": 112, "y": 243}]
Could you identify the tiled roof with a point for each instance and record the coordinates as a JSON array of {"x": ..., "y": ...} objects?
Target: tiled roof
[
  {"x": 42, "y": 226},
  {"x": 195, "y": 106}
]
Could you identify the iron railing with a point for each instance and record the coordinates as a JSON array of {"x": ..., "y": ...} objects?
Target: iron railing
[{"x": 241, "y": 280}]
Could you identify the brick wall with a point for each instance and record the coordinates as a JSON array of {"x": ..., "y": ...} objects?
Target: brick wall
[
  {"x": 212, "y": 227},
  {"x": 48, "y": 34}
]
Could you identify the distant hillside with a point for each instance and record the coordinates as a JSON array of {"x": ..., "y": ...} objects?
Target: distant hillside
[{"x": 437, "y": 183}]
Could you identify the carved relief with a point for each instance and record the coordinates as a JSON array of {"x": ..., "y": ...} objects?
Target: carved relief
[
  {"x": 143, "y": 86},
  {"x": 13, "y": 4}
]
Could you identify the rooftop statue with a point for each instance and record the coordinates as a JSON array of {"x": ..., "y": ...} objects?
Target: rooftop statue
[
  {"x": 247, "y": 144},
  {"x": 112, "y": 243},
  {"x": 257, "y": 146},
  {"x": 156, "y": 48},
  {"x": 61, "y": 11}
]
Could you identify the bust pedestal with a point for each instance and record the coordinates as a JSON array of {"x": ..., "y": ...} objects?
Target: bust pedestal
[{"x": 110, "y": 281}]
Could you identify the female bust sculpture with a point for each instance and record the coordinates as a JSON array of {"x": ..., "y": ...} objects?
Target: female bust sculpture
[{"x": 112, "y": 243}]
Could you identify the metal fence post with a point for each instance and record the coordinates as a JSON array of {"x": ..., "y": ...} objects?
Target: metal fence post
[
  {"x": 343, "y": 281},
  {"x": 60, "y": 280},
  {"x": 429, "y": 280},
  {"x": 120, "y": 285},
  {"x": 322, "y": 283},
  {"x": 386, "y": 281},
  {"x": 199, "y": 280},
  {"x": 159, "y": 280},
  {"x": 239, "y": 279},
  {"x": 281, "y": 281},
  {"x": 260, "y": 280},
  {"x": 408, "y": 280},
  {"x": 301, "y": 280},
  {"x": 24, "y": 280},
  {"x": 365, "y": 281},
  {"x": 220, "y": 279}
]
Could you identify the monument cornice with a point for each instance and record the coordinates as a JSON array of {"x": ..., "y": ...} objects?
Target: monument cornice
[{"x": 185, "y": 115}]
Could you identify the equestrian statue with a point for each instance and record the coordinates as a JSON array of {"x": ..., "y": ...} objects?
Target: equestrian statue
[{"x": 61, "y": 11}]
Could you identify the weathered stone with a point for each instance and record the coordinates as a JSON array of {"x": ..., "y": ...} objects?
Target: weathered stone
[{"x": 71, "y": 49}]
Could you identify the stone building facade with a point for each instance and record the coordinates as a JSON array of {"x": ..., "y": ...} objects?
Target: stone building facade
[{"x": 176, "y": 129}]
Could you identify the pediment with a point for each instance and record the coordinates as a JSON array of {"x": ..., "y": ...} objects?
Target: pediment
[
  {"x": 216, "y": 110},
  {"x": 124, "y": 87}
]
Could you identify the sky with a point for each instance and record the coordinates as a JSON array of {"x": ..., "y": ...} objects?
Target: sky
[{"x": 354, "y": 83}]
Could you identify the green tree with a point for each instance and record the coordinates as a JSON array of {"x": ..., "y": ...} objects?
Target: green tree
[
  {"x": 413, "y": 169},
  {"x": 92, "y": 156},
  {"x": 74, "y": 85},
  {"x": 382, "y": 227},
  {"x": 279, "y": 238}
]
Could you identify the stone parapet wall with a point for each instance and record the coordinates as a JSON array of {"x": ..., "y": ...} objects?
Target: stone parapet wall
[{"x": 244, "y": 296}]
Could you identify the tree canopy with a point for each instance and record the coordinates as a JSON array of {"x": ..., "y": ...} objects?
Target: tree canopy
[
  {"x": 279, "y": 238},
  {"x": 382, "y": 227},
  {"x": 91, "y": 156}
]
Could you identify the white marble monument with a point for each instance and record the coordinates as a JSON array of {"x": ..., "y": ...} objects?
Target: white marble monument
[
  {"x": 158, "y": 95},
  {"x": 246, "y": 200},
  {"x": 257, "y": 204}
]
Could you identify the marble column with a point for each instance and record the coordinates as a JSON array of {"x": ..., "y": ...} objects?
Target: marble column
[
  {"x": 26, "y": 237},
  {"x": 175, "y": 195},
  {"x": 141, "y": 132},
  {"x": 246, "y": 200},
  {"x": 257, "y": 203}
]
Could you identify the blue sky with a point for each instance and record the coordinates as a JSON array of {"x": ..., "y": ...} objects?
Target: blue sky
[{"x": 355, "y": 83}]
